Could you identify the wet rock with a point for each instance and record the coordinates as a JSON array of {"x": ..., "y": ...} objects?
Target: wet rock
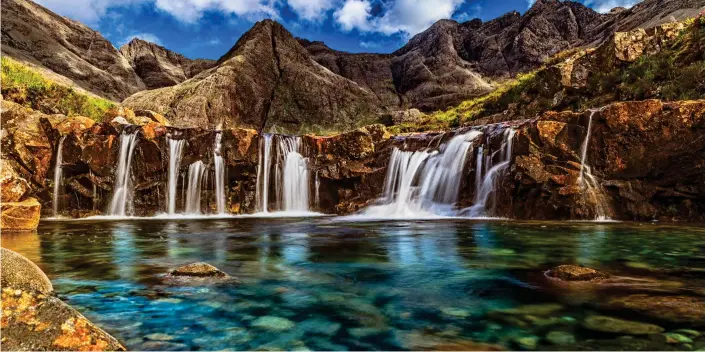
[
  {"x": 560, "y": 338},
  {"x": 526, "y": 342},
  {"x": 163, "y": 346},
  {"x": 319, "y": 326},
  {"x": 426, "y": 341},
  {"x": 198, "y": 270},
  {"x": 160, "y": 337},
  {"x": 689, "y": 332},
  {"x": 20, "y": 216},
  {"x": 455, "y": 312},
  {"x": 12, "y": 186},
  {"x": 19, "y": 272},
  {"x": 575, "y": 273},
  {"x": 532, "y": 309},
  {"x": 619, "y": 326},
  {"x": 674, "y": 309},
  {"x": 33, "y": 321},
  {"x": 273, "y": 323},
  {"x": 674, "y": 338}
]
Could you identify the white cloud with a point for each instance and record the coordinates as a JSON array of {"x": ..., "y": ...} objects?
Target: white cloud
[
  {"x": 604, "y": 6},
  {"x": 355, "y": 14},
  {"x": 191, "y": 11},
  {"x": 312, "y": 10},
  {"x": 87, "y": 11},
  {"x": 144, "y": 36}
]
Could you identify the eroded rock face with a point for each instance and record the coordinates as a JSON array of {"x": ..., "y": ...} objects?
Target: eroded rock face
[{"x": 33, "y": 34}]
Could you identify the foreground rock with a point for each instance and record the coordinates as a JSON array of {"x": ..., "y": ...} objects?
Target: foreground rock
[
  {"x": 33, "y": 320},
  {"x": 199, "y": 270},
  {"x": 575, "y": 273},
  {"x": 677, "y": 309},
  {"x": 20, "y": 216},
  {"x": 619, "y": 326}
]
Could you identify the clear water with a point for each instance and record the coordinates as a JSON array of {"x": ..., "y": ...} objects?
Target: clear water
[{"x": 350, "y": 285}]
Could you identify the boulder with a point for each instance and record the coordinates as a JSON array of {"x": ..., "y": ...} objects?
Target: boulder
[
  {"x": 33, "y": 321},
  {"x": 74, "y": 124},
  {"x": 575, "y": 273},
  {"x": 406, "y": 116},
  {"x": 154, "y": 116},
  {"x": 12, "y": 187},
  {"x": 677, "y": 309},
  {"x": 20, "y": 273},
  {"x": 20, "y": 216},
  {"x": 607, "y": 324},
  {"x": 198, "y": 270}
]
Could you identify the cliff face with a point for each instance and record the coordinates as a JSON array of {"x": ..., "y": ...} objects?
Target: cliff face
[
  {"x": 269, "y": 82},
  {"x": 159, "y": 67},
  {"x": 33, "y": 34}
]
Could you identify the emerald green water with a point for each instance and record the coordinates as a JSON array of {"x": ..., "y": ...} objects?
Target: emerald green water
[{"x": 328, "y": 284}]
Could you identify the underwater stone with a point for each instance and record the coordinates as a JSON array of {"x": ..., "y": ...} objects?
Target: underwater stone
[
  {"x": 526, "y": 342},
  {"x": 199, "y": 270},
  {"x": 273, "y": 323},
  {"x": 576, "y": 273},
  {"x": 560, "y": 338},
  {"x": 619, "y": 326},
  {"x": 677, "y": 338}
]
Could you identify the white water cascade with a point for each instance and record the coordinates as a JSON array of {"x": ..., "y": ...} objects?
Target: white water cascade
[
  {"x": 486, "y": 187},
  {"x": 57, "y": 175},
  {"x": 121, "y": 203},
  {"x": 219, "y": 174},
  {"x": 592, "y": 188},
  {"x": 424, "y": 183},
  {"x": 193, "y": 192},
  {"x": 176, "y": 152},
  {"x": 263, "y": 170}
]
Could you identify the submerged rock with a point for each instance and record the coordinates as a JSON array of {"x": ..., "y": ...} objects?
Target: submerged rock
[
  {"x": 273, "y": 323},
  {"x": 199, "y": 270},
  {"x": 674, "y": 309},
  {"x": 20, "y": 273},
  {"x": 575, "y": 273},
  {"x": 560, "y": 338},
  {"x": 607, "y": 324}
]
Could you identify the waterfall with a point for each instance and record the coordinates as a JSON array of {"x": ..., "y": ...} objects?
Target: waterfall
[
  {"x": 317, "y": 184},
  {"x": 219, "y": 174},
  {"x": 263, "y": 170},
  {"x": 57, "y": 175},
  {"x": 487, "y": 186},
  {"x": 176, "y": 148},
  {"x": 293, "y": 182},
  {"x": 121, "y": 202},
  {"x": 424, "y": 183},
  {"x": 592, "y": 187},
  {"x": 193, "y": 193}
]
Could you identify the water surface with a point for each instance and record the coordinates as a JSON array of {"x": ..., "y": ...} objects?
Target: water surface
[{"x": 327, "y": 284}]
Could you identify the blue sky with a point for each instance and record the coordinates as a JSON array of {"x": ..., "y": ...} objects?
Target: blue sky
[{"x": 208, "y": 28}]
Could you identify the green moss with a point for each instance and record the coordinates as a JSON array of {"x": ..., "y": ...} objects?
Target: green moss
[{"x": 25, "y": 86}]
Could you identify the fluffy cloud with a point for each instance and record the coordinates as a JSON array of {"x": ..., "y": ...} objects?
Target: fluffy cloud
[
  {"x": 604, "y": 6},
  {"x": 86, "y": 11},
  {"x": 408, "y": 17},
  {"x": 311, "y": 10},
  {"x": 192, "y": 10},
  {"x": 144, "y": 36},
  {"x": 355, "y": 14}
]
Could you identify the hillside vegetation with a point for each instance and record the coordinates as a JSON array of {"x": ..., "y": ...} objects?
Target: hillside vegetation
[{"x": 26, "y": 86}]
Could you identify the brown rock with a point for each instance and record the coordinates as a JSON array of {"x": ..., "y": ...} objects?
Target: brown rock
[
  {"x": 12, "y": 185},
  {"x": 34, "y": 321},
  {"x": 199, "y": 270},
  {"x": 576, "y": 273},
  {"x": 674, "y": 309},
  {"x": 159, "y": 118},
  {"x": 74, "y": 124},
  {"x": 20, "y": 216},
  {"x": 20, "y": 273}
]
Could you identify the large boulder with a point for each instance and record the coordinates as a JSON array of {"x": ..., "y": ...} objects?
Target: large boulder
[
  {"x": 19, "y": 272},
  {"x": 12, "y": 186},
  {"x": 20, "y": 216}
]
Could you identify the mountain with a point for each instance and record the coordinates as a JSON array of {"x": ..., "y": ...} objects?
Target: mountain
[
  {"x": 267, "y": 81},
  {"x": 33, "y": 34},
  {"x": 159, "y": 67}
]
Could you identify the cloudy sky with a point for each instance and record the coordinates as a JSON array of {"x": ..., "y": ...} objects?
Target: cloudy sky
[{"x": 208, "y": 28}]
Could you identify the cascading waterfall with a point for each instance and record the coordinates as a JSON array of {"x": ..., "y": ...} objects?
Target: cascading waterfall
[
  {"x": 176, "y": 149},
  {"x": 121, "y": 203},
  {"x": 263, "y": 170},
  {"x": 57, "y": 175},
  {"x": 593, "y": 189},
  {"x": 219, "y": 174},
  {"x": 485, "y": 187},
  {"x": 294, "y": 182},
  {"x": 193, "y": 192},
  {"x": 424, "y": 183}
]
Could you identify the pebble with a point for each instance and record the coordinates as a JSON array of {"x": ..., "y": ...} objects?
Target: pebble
[
  {"x": 273, "y": 323},
  {"x": 455, "y": 312},
  {"x": 160, "y": 337},
  {"x": 603, "y": 323},
  {"x": 674, "y": 338},
  {"x": 560, "y": 338},
  {"x": 526, "y": 342}
]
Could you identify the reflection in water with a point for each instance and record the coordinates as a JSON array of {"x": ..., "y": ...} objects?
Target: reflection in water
[{"x": 369, "y": 285}]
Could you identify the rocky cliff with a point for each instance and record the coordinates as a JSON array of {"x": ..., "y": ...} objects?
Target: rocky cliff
[
  {"x": 69, "y": 49},
  {"x": 160, "y": 67},
  {"x": 269, "y": 82}
]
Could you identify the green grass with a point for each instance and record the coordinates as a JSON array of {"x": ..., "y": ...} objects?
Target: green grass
[{"x": 25, "y": 86}]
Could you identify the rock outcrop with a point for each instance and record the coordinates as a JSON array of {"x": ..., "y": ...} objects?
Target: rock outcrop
[
  {"x": 268, "y": 82},
  {"x": 33, "y": 34},
  {"x": 34, "y": 320},
  {"x": 159, "y": 67}
]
